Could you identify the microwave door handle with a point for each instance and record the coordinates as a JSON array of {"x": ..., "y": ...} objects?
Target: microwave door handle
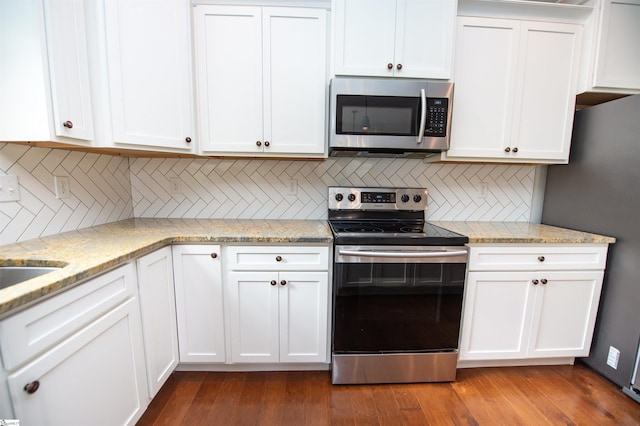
[{"x": 423, "y": 115}]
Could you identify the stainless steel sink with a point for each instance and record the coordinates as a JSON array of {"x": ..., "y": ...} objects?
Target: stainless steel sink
[{"x": 10, "y": 275}]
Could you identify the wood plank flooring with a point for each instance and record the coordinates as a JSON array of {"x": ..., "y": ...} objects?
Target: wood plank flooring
[{"x": 549, "y": 395}]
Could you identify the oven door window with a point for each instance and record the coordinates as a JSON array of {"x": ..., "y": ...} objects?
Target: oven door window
[
  {"x": 399, "y": 307},
  {"x": 377, "y": 115}
]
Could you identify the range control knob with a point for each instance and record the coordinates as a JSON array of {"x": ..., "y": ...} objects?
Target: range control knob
[
  {"x": 417, "y": 198},
  {"x": 339, "y": 197},
  {"x": 351, "y": 197},
  {"x": 404, "y": 198}
]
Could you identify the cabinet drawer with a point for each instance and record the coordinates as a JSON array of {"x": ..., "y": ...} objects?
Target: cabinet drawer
[
  {"x": 33, "y": 330},
  {"x": 281, "y": 258},
  {"x": 543, "y": 257}
]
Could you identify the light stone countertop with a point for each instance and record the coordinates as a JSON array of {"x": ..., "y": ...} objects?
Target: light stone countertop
[
  {"x": 521, "y": 233},
  {"x": 88, "y": 252}
]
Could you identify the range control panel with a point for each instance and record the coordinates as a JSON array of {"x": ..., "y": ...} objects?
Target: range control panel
[{"x": 341, "y": 198}]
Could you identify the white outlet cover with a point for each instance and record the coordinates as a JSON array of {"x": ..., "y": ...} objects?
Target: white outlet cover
[{"x": 9, "y": 188}]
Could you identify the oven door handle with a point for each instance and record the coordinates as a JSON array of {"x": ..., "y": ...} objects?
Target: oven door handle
[{"x": 400, "y": 254}]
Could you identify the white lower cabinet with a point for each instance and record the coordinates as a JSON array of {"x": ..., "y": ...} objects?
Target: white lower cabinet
[
  {"x": 278, "y": 316},
  {"x": 199, "y": 303},
  {"x": 278, "y": 303},
  {"x": 95, "y": 372},
  {"x": 545, "y": 309},
  {"x": 158, "y": 312}
]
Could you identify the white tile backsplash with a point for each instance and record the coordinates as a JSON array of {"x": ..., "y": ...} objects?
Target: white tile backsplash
[{"x": 106, "y": 188}]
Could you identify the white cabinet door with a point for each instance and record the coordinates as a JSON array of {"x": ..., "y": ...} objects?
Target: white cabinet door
[
  {"x": 69, "y": 69},
  {"x": 158, "y": 311},
  {"x": 486, "y": 65},
  {"x": 261, "y": 76},
  {"x": 564, "y": 313},
  {"x": 149, "y": 71},
  {"x": 253, "y": 316},
  {"x": 365, "y": 37},
  {"x": 546, "y": 91},
  {"x": 278, "y": 317},
  {"x": 94, "y": 377},
  {"x": 394, "y": 38},
  {"x": 618, "y": 55},
  {"x": 515, "y": 90},
  {"x": 229, "y": 75},
  {"x": 303, "y": 307},
  {"x": 199, "y": 303},
  {"x": 294, "y": 80},
  {"x": 424, "y": 38},
  {"x": 497, "y": 315}
]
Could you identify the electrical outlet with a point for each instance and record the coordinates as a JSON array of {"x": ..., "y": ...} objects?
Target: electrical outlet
[
  {"x": 291, "y": 187},
  {"x": 9, "y": 189},
  {"x": 175, "y": 185},
  {"x": 63, "y": 189},
  {"x": 483, "y": 187},
  {"x": 613, "y": 357}
]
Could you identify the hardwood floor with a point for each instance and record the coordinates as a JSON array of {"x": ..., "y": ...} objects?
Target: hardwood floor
[{"x": 550, "y": 395}]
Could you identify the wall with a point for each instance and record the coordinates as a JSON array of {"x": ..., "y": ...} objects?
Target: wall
[
  {"x": 100, "y": 191},
  {"x": 213, "y": 188},
  {"x": 107, "y": 188}
]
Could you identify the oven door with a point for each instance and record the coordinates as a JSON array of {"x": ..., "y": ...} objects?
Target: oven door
[{"x": 390, "y": 299}]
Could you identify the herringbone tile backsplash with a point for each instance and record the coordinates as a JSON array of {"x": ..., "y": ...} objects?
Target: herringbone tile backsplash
[{"x": 107, "y": 188}]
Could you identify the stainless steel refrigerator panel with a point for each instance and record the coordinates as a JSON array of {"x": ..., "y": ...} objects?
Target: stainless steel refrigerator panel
[{"x": 599, "y": 192}]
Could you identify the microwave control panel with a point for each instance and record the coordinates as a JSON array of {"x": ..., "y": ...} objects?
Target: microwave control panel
[{"x": 436, "y": 117}]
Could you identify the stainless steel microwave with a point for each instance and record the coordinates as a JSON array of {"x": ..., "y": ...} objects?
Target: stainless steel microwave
[{"x": 389, "y": 117}]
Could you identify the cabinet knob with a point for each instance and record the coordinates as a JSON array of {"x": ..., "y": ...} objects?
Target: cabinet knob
[
  {"x": 187, "y": 139},
  {"x": 273, "y": 282},
  {"x": 390, "y": 66},
  {"x": 515, "y": 149},
  {"x": 535, "y": 282},
  {"x": 399, "y": 67},
  {"x": 32, "y": 387},
  {"x": 283, "y": 282},
  {"x": 541, "y": 258},
  {"x": 507, "y": 149},
  {"x": 68, "y": 124},
  {"x": 214, "y": 255},
  {"x": 266, "y": 143},
  {"x": 543, "y": 281},
  {"x": 278, "y": 258},
  {"x": 258, "y": 143}
]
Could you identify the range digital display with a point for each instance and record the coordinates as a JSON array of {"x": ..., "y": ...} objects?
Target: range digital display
[{"x": 378, "y": 197}]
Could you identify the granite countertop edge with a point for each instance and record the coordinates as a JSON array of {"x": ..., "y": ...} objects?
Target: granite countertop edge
[{"x": 87, "y": 252}]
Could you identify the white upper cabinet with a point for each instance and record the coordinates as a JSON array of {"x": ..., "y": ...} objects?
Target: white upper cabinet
[
  {"x": 394, "y": 38},
  {"x": 611, "y": 60},
  {"x": 148, "y": 50},
  {"x": 515, "y": 90},
  {"x": 69, "y": 69},
  {"x": 262, "y": 80},
  {"x": 44, "y": 72}
]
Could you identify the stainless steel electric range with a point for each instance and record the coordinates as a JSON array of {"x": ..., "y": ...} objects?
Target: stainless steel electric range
[{"x": 398, "y": 284}]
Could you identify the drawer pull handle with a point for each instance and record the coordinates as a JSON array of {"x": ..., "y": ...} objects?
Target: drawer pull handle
[
  {"x": 543, "y": 281},
  {"x": 278, "y": 258},
  {"x": 214, "y": 255},
  {"x": 283, "y": 282},
  {"x": 541, "y": 258},
  {"x": 68, "y": 124},
  {"x": 32, "y": 387},
  {"x": 535, "y": 282},
  {"x": 273, "y": 282}
]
